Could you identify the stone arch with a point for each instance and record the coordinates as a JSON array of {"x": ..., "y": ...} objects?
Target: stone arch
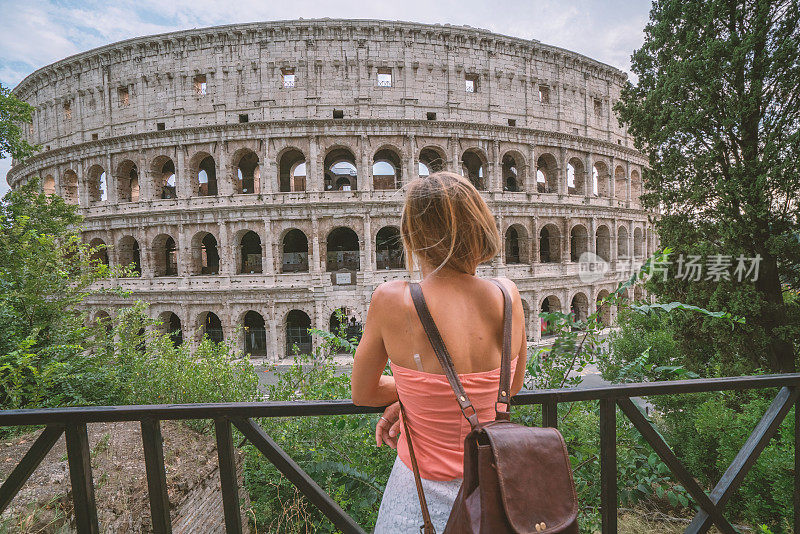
[
  {"x": 386, "y": 169},
  {"x": 578, "y": 242},
  {"x": 203, "y": 170},
  {"x": 297, "y": 324},
  {"x": 389, "y": 252},
  {"x": 249, "y": 252},
  {"x": 636, "y": 185},
  {"x": 255, "y": 333},
  {"x": 165, "y": 256},
  {"x": 602, "y": 242},
  {"x": 294, "y": 252},
  {"x": 171, "y": 325},
  {"x": 549, "y": 244},
  {"x": 292, "y": 170},
  {"x": 352, "y": 325},
  {"x": 69, "y": 187},
  {"x": 604, "y": 310},
  {"x": 211, "y": 327},
  {"x": 638, "y": 243},
  {"x": 549, "y": 304},
  {"x": 474, "y": 167},
  {"x": 516, "y": 244},
  {"x": 526, "y": 317},
  {"x": 547, "y": 174},
  {"x": 600, "y": 179},
  {"x": 129, "y": 254},
  {"x": 343, "y": 251},
  {"x": 579, "y": 307},
  {"x": 341, "y": 172},
  {"x": 100, "y": 251},
  {"x": 622, "y": 242},
  {"x": 513, "y": 168},
  {"x": 164, "y": 179},
  {"x": 49, "y": 185},
  {"x": 127, "y": 181},
  {"x": 576, "y": 178},
  {"x": 620, "y": 183},
  {"x": 247, "y": 170},
  {"x": 205, "y": 254},
  {"x": 431, "y": 159},
  {"x": 98, "y": 184}
]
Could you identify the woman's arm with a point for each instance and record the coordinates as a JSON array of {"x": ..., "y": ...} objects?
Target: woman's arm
[
  {"x": 518, "y": 314},
  {"x": 368, "y": 385}
]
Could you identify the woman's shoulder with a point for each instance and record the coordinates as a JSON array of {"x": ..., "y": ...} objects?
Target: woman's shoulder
[{"x": 388, "y": 292}]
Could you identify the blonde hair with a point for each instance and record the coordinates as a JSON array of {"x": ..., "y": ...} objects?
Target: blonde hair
[{"x": 447, "y": 223}]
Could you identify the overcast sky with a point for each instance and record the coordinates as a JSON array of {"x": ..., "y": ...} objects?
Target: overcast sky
[{"x": 39, "y": 32}]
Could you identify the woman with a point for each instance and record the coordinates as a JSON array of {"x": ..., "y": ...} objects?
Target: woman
[{"x": 448, "y": 229}]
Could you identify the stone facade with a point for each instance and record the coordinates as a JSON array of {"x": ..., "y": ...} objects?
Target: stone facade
[{"x": 240, "y": 166}]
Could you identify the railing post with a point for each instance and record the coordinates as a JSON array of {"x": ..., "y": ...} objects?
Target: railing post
[
  {"x": 227, "y": 477},
  {"x": 80, "y": 475},
  {"x": 550, "y": 414},
  {"x": 608, "y": 465},
  {"x": 153, "y": 445}
]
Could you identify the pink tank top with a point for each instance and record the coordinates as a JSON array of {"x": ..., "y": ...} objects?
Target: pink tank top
[{"x": 437, "y": 426}]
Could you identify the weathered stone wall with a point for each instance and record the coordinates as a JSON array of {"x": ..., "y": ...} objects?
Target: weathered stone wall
[{"x": 140, "y": 103}]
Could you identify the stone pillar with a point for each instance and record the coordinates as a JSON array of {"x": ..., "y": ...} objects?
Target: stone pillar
[
  {"x": 628, "y": 181},
  {"x": 365, "y": 179},
  {"x": 535, "y": 241},
  {"x": 224, "y": 180},
  {"x": 589, "y": 162},
  {"x": 369, "y": 263},
  {"x": 226, "y": 256},
  {"x": 566, "y": 250},
  {"x": 268, "y": 176},
  {"x": 316, "y": 265},
  {"x": 145, "y": 178},
  {"x": 535, "y": 319},
  {"x": 455, "y": 166},
  {"x": 612, "y": 177},
  {"x": 561, "y": 172},
  {"x": 530, "y": 176},
  {"x": 183, "y": 180},
  {"x": 273, "y": 345},
  {"x": 268, "y": 250},
  {"x": 593, "y": 235},
  {"x": 112, "y": 183},
  {"x": 83, "y": 185},
  {"x": 614, "y": 246},
  {"x": 413, "y": 167},
  {"x": 500, "y": 259},
  {"x": 314, "y": 172},
  {"x": 495, "y": 169},
  {"x": 184, "y": 252}
]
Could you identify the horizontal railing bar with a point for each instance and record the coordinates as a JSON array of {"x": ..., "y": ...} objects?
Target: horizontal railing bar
[{"x": 300, "y": 408}]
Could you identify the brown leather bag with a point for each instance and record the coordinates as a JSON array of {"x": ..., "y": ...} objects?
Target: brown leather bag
[{"x": 516, "y": 478}]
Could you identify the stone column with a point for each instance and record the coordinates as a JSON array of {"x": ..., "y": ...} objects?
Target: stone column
[
  {"x": 413, "y": 167},
  {"x": 226, "y": 258},
  {"x": 314, "y": 173},
  {"x": 369, "y": 263},
  {"x": 495, "y": 169},
  {"x": 561, "y": 172},
  {"x": 268, "y": 248},
  {"x": 145, "y": 178},
  {"x": 566, "y": 254},
  {"x": 224, "y": 179},
  {"x": 112, "y": 182},
  {"x": 365, "y": 179},
  {"x": 316, "y": 265},
  {"x": 183, "y": 180},
  {"x": 184, "y": 252},
  {"x": 83, "y": 185},
  {"x": 589, "y": 174},
  {"x": 614, "y": 246},
  {"x": 628, "y": 181},
  {"x": 593, "y": 235},
  {"x": 612, "y": 177},
  {"x": 530, "y": 176},
  {"x": 535, "y": 241},
  {"x": 268, "y": 175},
  {"x": 535, "y": 319}
]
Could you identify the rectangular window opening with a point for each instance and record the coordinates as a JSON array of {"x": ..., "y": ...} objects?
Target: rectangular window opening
[
  {"x": 288, "y": 77},
  {"x": 94, "y": 137},
  {"x": 338, "y": 113},
  {"x": 161, "y": 126},
  {"x": 243, "y": 117},
  {"x": 67, "y": 110},
  {"x": 544, "y": 94},
  {"x": 512, "y": 122},
  {"x": 598, "y": 108},
  {"x": 200, "y": 85},
  {"x": 124, "y": 96},
  {"x": 384, "y": 77},
  {"x": 431, "y": 116},
  {"x": 471, "y": 81}
]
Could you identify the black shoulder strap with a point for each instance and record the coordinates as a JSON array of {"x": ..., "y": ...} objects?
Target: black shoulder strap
[{"x": 446, "y": 361}]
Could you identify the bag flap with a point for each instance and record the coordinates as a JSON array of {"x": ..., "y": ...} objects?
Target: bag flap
[{"x": 535, "y": 476}]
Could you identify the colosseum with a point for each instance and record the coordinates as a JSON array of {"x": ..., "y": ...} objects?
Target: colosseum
[{"x": 252, "y": 174}]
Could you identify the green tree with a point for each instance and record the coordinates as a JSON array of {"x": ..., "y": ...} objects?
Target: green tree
[
  {"x": 717, "y": 111},
  {"x": 14, "y": 113}
]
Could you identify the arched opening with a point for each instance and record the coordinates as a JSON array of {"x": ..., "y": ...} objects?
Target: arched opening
[
  {"x": 602, "y": 242},
  {"x": 247, "y": 173},
  {"x": 164, "y": 174},
  {"x": 129, "y": 254},
  {"x": 344, "y": 321},
  {"x": 128, "y": 182},
  {"x": 340, "y": 170},
  {"x": 49, "y": 185},
  {"x": 638, "y": 243},
  {"x": 292, "y": 171},
  {"x": 386, "y": 169},
  {"x": 511, "y": 177},
  {"x": 600, "y": 179},
  {"x": 99, "y": 251},
  {"x": 575, "y": 177},
  {"x": 389, "y": 248},
  {"x": 473, "y": 168},
  {"x": 547, "y": 174},
  {"x": 430, "y": 160},
  {"x": 98, "y": 186},
  {"x": 250, "y": 253},
  {"x": 550, "y": 304},
  {"x": 205, "y": 254},
  {"x": 295, "y": 252},
  {"x": 70, "y": 187},
  {"x": 579, "y": 307},
  {"x": 207, "y": 177},
  {"x": 512, "y": 246},
  {"x": 549, "y": 244},
  {"x": 622, "y": 242},
  {"x": 637, "y": 187},
  {"x": 171, "y": 324},
  {"x": 297, "y": 335},
  {"x": 165, "y": 254},
  {"x": 212, "y": 327},
  {"x": 343, "y": 250},
  {"x": 578, "y": 242},
  {"x": 255, "y": 334},
  {"x": 620, "y": 183},
  {"x": 605, "y": 308}
]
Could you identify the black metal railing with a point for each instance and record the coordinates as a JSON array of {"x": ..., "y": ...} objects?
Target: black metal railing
[{"x": 73, "y": 421}]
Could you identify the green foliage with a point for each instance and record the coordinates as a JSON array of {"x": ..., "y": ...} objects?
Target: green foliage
[{"x": 14, "y": 115}]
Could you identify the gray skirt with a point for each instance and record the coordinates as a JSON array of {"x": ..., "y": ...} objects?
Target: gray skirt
[{"x": 400, "y": 511}]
